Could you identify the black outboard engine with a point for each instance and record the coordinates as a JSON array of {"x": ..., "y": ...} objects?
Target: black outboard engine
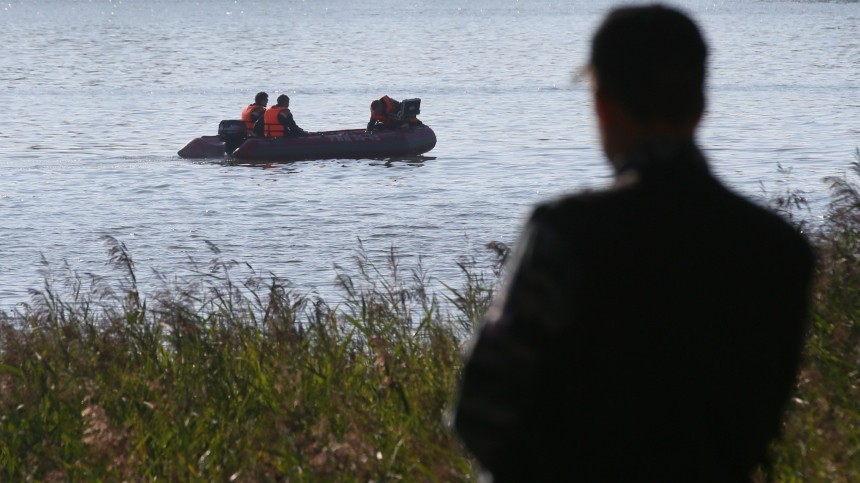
[{"x": 233, "y": 133}]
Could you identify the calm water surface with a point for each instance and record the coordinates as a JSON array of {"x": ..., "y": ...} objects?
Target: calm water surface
[{"x": 99, "y": 95}]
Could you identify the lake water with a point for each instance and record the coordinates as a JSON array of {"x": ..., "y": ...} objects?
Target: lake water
[{"x": 98, "y": 95}]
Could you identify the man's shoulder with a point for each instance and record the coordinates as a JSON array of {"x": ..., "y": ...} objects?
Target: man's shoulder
[
  {"x": 705, "y": 207},
  {"x": 774, "y": 231}
]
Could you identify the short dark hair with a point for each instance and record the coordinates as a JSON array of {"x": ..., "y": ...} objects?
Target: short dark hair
[
  {"x": 652, "y": 60},
  {"x": 260, "y": 97},
  {"x": 283, "y": 100}
]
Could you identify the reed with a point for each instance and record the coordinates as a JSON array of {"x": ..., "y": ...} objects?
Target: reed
[
  {"x": 228, "y": 374},
  {"x": 214, "y": 379},
  {"x": 821, "y": 440}
]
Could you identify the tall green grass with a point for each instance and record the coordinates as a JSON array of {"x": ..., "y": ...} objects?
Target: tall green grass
[
  {"x": 218, "y": 380},
  {"x": 821, "y": 440},
  {"x": 230, "y": 375}
]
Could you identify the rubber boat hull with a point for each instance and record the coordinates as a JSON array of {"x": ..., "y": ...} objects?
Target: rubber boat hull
[
  {"x": 344, "y": 144},
  {"x": 204, "y": 147}
]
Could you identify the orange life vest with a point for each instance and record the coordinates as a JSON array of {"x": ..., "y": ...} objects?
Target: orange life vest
[
  {"x": 250, "y": 114},
  {"x": 389, "y": 104},
  {"x": 273, "y": 126}
]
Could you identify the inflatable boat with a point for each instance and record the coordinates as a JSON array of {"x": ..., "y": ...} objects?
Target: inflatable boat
[
  {"x": 409, "y": 139},
  {"x": 344, "y": 144}
]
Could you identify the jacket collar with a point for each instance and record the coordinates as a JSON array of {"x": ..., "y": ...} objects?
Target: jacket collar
[{"x": 662, "y": 154}]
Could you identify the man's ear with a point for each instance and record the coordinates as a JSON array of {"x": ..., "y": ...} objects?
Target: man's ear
[{"x": 605, "y": 107}]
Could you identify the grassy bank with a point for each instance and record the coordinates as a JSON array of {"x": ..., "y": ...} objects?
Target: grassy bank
[
  {"x": 215, "y": 379},
  {"x": 222, "y": 377},
  {"x": 822, "y": 427}
]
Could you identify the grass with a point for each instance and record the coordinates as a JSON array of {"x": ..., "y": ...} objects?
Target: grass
[
  {"x": 219, "y": 378},
  {"x": 821, "y": 440}
]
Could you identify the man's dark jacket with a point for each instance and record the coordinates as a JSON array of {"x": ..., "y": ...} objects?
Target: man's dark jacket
[{"x": 650, "y": 332}]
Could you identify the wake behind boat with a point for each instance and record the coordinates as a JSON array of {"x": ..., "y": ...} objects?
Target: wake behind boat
[{"x": 409, "y": 138}]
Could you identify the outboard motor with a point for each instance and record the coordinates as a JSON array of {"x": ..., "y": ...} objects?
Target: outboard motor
[{"x": 233, "y": 133}]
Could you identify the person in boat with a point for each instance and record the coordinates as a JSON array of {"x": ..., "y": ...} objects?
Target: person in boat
[
  {"x": 650, "y": 331},
  {"x": 252, "y": 113},
  {"x": 278, "y": 120},
  {"x": 382, "y": 115},
  {"x": 379, "y": 116}
]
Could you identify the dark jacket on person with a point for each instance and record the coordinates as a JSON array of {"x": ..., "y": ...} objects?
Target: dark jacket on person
[{"x": 649, "y": 332}]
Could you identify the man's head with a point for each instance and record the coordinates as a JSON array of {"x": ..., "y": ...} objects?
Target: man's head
[
  {"x": 283, "y": 100},
  {"x": 261, "y": 98},
  {"x": 652, "y": 60},
  {"x": 648, "y": 72}
]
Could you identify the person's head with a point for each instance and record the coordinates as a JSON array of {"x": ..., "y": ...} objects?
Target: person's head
[
  {"x": 650, "y": 62},
  {"x": 376, "y": 106},
  {"x": 261, "y": 98},
  {"x": 283, "y": 100}
]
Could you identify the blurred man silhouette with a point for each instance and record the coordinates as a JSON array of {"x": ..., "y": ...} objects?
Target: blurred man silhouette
[{"x": 650, "y": 331}]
